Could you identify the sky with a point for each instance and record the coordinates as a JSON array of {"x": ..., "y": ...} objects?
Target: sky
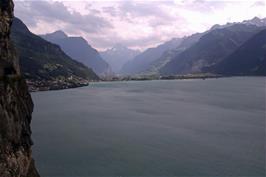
[{"x": 137, "y": 24}]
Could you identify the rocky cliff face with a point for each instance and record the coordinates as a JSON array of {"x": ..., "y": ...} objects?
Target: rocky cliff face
[{"x": 15, "y": 106}]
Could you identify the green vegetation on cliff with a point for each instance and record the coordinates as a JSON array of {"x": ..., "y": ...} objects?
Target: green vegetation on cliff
[{"x": 41, "y": 60}]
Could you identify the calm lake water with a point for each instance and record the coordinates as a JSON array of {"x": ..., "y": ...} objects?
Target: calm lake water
[{"x": 213, "y": 127}]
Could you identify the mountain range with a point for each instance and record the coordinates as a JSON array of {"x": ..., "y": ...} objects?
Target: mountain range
[
  {"x": 230, "y": 49},
  {"x": 211, "y": 51},
  {"x": 41, "y": 60},
  {"x": 118, "y": 55},
  {"x": 168, "y": 55},
  {"x": 79, "y": 49},
  {"x": 142, "y": 61}
]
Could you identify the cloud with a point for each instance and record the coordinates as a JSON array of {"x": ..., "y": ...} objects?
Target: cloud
[
  {"x": 54, "y": 12},
  {"x": 137, "y": 24},
  {"x": 138, "y": 43},
  {"x": 110, "y": 10},
  {"x": 143, "y": 9},
  {"x": 259, "y": 4}
]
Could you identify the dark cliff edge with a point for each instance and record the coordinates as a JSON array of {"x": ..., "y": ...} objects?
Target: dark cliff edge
[{"x": 16, "y": 106}]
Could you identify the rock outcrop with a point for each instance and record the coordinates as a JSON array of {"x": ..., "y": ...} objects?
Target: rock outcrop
[{"x": 15, "y": 106}]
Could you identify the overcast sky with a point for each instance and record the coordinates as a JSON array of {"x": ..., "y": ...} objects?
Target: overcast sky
[{"x": 136, "y": 24}]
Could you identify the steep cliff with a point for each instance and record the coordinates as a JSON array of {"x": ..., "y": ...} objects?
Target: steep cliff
[{"x": 15, "y": 106}]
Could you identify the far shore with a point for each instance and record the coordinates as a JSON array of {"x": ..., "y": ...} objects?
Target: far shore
[
  {"x": 37, "y": 86},
  {"x": 170, "y": 77}
]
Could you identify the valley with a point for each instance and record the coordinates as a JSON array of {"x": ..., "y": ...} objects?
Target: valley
[
  {"x": 132, "y": 88},
  {"x": 63, "y": 61}
]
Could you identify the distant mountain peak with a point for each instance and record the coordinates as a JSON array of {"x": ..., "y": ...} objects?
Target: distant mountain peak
[
  {"x": 79, "y": 49},
  {"x": 119, "y": 47},
  {"x": 217, "y": 26},
  {"x": 256, "y": 21},
  {"x": 78, "y": 38},
  {"x": 43, "y": 61},
  {"x": 58, "y": 34},
  {"x": 118, "y": 55}
]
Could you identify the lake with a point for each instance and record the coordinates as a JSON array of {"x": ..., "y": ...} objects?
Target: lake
[{"x": 213, "y": 127}]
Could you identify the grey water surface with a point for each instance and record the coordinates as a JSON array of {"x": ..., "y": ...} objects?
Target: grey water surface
[{"x": 213, "y": 127}]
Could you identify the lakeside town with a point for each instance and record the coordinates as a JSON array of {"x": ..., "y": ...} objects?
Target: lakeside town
[{"x": 67, "y": 83}]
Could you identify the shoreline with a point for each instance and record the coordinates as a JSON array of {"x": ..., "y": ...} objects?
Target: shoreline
[
  {"x": 39, "y": 86},
  {"x": 54, "y": 86},
  {"x": 173, "y": 77}
]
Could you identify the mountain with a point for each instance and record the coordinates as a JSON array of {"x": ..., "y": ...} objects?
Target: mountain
[
  {"x": 118, "y": 55},
  {"x": 79, "y": 49},
  {"x": 143, "y": 61},
  {"x": 255, "y": 21},
  {"x": 187, "y": 42},
  {"x": 248, "y": 59},
  {"x": 55, "y": 36},
  {"x": 16, "y": 106},
  {"x": 212, "y": 48},
  {"x": 168, "y": 55},
  {"x": 42, "y": 60}
]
